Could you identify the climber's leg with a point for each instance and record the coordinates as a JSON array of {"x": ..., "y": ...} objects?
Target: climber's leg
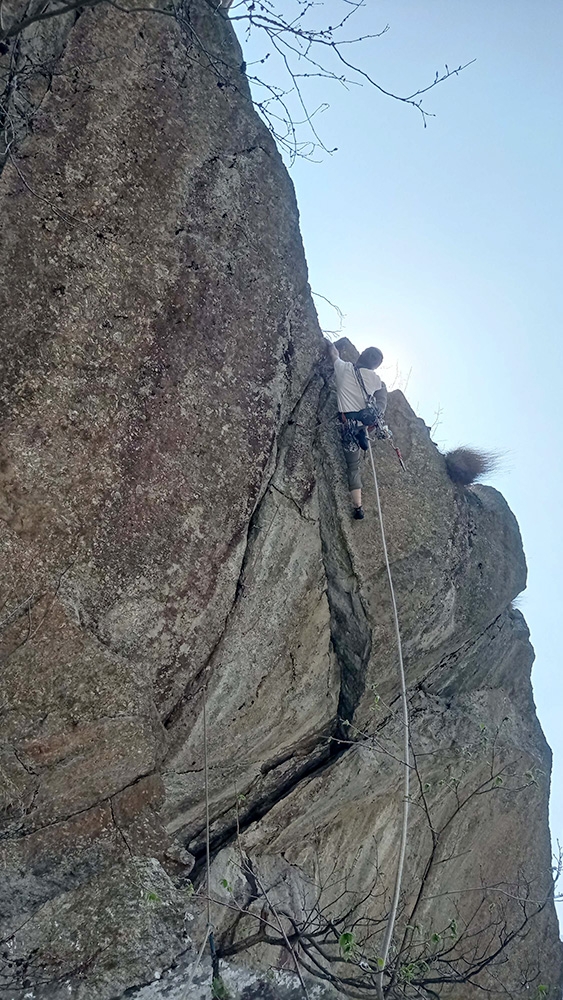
[{"x": 353, "y": 459}]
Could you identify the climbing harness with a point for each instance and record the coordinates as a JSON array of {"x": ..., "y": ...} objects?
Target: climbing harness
[
  {"x": 371, "y": 417},
  {"x": 352, "y": 433},
  {"x": 355, "y": 435}
]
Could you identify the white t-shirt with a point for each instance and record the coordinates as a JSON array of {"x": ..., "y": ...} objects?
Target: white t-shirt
[{"x": 348, "y": 391}]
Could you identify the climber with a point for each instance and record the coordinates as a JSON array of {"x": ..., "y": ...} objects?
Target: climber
[{"x": 357, "y": 389}]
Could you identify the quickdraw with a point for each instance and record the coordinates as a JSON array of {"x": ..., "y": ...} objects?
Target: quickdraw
[{"x": 383, "y": 432}]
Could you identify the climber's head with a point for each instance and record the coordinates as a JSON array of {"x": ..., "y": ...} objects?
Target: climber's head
[{"x": 370, "y": 358}]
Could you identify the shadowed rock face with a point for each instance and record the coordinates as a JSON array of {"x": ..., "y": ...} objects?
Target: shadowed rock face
[{"x": 174, "y": 520}]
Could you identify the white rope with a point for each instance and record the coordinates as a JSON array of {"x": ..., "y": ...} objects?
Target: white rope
[
  {"x": 406, "y": 749},
  {"x": 206, "y": 776},
  {"x": 406, "y": 782},
  {"x": 209, "y": 928},
  {"x": 195, "y": 966}
]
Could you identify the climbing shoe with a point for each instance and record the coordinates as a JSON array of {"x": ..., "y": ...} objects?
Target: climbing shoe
[{"x": 359, "y": 513}]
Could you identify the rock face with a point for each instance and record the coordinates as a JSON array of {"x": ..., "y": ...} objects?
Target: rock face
[{"x": 176, "y": 542}]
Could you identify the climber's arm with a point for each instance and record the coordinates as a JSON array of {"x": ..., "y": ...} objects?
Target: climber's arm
[
  {"x": 332, "y": 351},
  {"x": 381, "y": 399}
]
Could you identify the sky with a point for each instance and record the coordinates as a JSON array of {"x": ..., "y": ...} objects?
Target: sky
[{"x": 442, "y": 246}]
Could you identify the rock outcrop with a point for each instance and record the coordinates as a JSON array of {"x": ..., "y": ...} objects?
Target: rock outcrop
[{"x": 175, "y": 531}]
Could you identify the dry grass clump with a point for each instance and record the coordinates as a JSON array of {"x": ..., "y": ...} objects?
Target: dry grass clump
[{"x": 468, "y": 465}]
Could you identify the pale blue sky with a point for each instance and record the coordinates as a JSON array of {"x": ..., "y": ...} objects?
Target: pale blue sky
[{"x": 443, "y": 247}]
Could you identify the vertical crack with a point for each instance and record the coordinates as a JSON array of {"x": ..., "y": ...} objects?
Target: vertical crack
[{"x": 349, "y": 625}]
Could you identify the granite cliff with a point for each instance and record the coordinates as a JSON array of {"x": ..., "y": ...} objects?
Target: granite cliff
[{"x": 174, "y": 522}]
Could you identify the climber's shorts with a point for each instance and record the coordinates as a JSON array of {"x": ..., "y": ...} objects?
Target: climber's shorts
[{"x": 353, "y": 459}]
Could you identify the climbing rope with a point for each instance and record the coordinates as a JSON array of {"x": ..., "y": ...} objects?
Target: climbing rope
[
  {"x": 209, "y": 928},
  {"x": 195, "y": 966},
  {"x": 206, "y": 781},
  {"x": 406, "y": 746},
  {"x": 406, "y": 780}
]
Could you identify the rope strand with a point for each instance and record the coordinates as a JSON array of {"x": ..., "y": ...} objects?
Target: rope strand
[
  {"x": 406, "y": 779},
  {"x": 209, "y": 928},
  {"x": 195, "y": 967},
  {"x": 206, "y": 779},
  {"x": 406, "y": 750}
]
